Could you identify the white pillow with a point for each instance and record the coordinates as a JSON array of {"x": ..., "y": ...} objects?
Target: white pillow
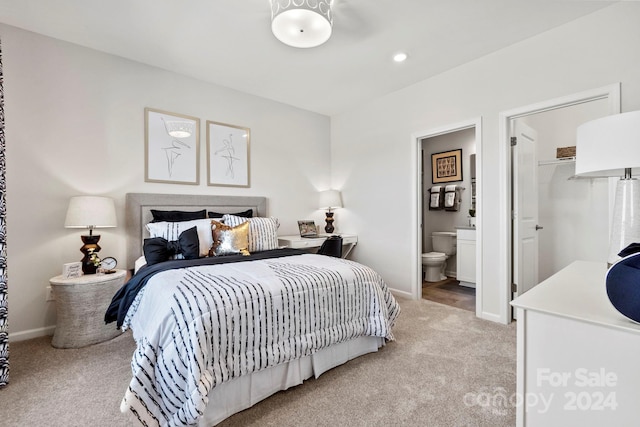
[
  {"x": 140, "y": 262},
  {"x": 171, "y": 231},
  {"x": 263, "y": 232}
]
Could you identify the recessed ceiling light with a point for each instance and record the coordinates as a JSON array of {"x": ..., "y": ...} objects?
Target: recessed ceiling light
[{"x": 400, "y": 57}]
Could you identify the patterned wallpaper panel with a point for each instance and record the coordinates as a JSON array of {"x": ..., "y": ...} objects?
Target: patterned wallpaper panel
[{"x": 4, "y": 327}]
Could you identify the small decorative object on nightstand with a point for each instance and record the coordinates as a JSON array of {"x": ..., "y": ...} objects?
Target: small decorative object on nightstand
[
  {"x": 80, "y": 306},
  {"x": 71, "y": 270},
  {"x": 90, "y": 212},
  {"x": 108, "y": 265},
  {"x": 330, "y": 199}
]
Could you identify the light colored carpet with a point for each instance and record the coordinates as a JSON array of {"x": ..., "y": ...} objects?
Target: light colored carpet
[{"x": 443, "y": 364}]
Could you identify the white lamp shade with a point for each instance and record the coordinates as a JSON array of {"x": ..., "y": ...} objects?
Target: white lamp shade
[
  {"x": 301, "y": 23},
  {"x": 330, "y": 199},
  {"x": 90, "y": 212},
  {"x": 606, "y": 146}
]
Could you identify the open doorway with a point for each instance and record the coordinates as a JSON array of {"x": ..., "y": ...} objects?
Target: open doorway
[
  {"x": 544, "y": 237},
  {"x": 441, "y": 219}
]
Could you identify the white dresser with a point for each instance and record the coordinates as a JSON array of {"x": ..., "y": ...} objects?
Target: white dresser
[{"x": 578, "y": 358}]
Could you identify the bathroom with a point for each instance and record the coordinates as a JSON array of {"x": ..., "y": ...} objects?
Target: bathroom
[{"x": 451, "y": 281}]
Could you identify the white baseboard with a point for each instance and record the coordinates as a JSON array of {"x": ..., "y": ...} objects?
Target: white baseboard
[
  {"x": 491, "y": 316},
  {"x": 31, "y": 333},
  {"x": 402, "y": 294}
]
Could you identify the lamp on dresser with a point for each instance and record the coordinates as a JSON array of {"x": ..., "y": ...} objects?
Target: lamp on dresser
[
  {"x": 330, "y": 199},
  {"x": 610, "y": 147},
  {"x": 90, "y": 212}
]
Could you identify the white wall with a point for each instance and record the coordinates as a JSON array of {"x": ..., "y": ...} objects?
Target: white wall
[
  {"x": 75, "y": 125},
  {"x": 592, "y": 52}
]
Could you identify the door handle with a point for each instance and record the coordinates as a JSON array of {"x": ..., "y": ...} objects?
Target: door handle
[{"x": 539, "y": 227}]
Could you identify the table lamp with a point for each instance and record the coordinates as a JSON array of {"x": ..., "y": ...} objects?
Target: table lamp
[
  {"x": 330, "y": 199},
  {"x": 609, "y": 147},
  {"x": 90, "y": 212}
]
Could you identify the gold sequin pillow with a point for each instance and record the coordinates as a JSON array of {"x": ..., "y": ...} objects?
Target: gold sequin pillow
[{"x": 229, "y": 240}]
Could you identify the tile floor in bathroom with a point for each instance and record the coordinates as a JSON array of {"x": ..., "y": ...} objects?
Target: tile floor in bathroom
[{"x": 449, "y": 292}]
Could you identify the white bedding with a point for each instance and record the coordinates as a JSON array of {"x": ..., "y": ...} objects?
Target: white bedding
[
  {"x": 200, "y": 327},
  {"x": 241, "y": 393}
]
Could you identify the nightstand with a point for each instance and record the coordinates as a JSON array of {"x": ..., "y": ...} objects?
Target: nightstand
[
  {"x": 297, "y": 242},
  {"x": 81, "y": 303}
]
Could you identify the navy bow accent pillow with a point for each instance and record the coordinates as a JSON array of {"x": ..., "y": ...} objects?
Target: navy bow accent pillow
[
  {"x": 623, "y": 283},
  {"x": 159, "y": 249}
]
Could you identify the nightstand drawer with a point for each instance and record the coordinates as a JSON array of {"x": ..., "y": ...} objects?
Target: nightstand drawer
[{"x": 301, "y": 243}]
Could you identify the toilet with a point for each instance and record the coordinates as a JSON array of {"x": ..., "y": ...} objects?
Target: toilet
[{"x": 434, "y": 263}]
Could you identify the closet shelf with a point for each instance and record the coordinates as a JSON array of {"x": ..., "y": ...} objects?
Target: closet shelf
[
  {"x": 565, "y": 160},
  {"x": 568, "y": 161}
]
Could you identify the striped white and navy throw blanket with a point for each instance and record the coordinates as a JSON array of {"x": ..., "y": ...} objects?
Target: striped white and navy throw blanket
[{"x": 200, "y": 326}]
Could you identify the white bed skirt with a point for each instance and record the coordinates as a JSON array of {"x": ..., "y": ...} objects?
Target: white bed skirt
[{"x": 242, "y": 393}]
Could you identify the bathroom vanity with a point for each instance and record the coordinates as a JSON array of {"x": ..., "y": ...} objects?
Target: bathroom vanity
[{"x": 466, "y": 256}]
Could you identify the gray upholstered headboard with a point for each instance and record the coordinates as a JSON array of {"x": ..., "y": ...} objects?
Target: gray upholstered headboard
[{"x": 139, "y": 205}]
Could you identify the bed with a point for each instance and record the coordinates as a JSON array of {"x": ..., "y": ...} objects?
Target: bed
[{"x": 217, "y": 334}]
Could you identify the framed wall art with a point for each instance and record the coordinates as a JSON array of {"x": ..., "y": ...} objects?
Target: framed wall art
[
  {"x": 227, "y": 155},
  {"x": 172, "y": 147},
  {"x": 446, "y": 166}
]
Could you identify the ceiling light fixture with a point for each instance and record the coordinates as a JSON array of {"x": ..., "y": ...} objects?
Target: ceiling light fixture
[
  {"x": 178, "y": 128},
  {"x": 301, "y": 23},
  {"x": 400, "y": 57}
]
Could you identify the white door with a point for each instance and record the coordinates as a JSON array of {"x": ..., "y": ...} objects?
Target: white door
[{"x": 525, "y": 207}]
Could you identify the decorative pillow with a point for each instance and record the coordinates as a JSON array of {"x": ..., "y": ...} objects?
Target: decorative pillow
[
  {"x": 263, "y": 232},
  {"x": 622, "y": 283},
  {"x": 229, "y": 240},
  {"x": 245, "y": 214},
  {"x": 177, "y": 216},
  {"x": 158, "y": 249},
  {"x": 171, "y": 231}
]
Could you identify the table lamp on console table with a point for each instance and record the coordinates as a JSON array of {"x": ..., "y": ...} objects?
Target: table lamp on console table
[
  {"x": 330, "y": 199},
  {"x": 90, "y": 212}
]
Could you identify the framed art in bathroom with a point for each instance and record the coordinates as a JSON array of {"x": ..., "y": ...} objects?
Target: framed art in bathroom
[{"x": 446, "y": 166}]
